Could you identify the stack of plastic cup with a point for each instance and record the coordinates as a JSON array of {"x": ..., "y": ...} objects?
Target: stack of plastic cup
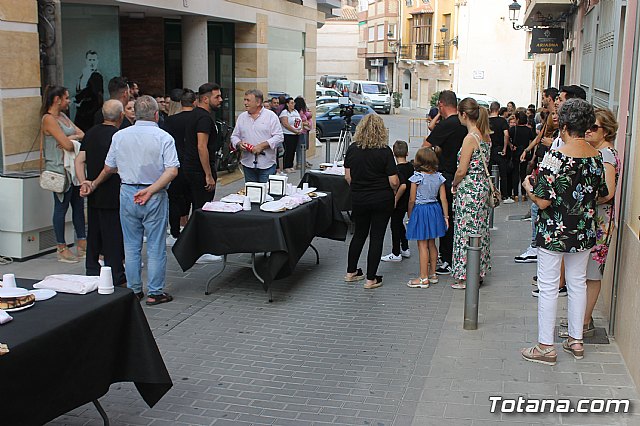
[
  {"x": 105, "y": 283},
  {"x": 8, "y": 280}
]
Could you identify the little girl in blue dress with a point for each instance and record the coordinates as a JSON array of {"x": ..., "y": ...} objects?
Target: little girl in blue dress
[{"x": 426, "y": 218}]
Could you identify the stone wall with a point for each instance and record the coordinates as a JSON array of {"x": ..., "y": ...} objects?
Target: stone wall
[{"x": 142, "y": 52}]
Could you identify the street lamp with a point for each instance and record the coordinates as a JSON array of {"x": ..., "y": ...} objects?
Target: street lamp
[
  {"x": 443, "y": 32},
  {"x": 514, "y": 15}
]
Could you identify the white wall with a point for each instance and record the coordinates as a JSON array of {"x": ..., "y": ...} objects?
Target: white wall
[
  {"x": 286, "y": 63},
  {"x": 490, "y": 48},
  {"x": 337, "y": 50}
]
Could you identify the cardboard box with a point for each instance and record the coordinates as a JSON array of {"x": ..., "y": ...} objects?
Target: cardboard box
[
  {"x": 278, "y": 185},
  {"x": 257, "y": 192}
]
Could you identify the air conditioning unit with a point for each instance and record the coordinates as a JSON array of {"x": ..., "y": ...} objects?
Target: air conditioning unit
[
  {"x": 377, "y": 62},
  {"x": 26, "y": 228}
]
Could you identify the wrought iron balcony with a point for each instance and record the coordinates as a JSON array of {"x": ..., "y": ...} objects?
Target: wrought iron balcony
[{"x": 441, "y": 51}]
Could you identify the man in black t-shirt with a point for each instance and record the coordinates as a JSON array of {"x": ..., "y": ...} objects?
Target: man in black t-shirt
[
  {"x": 201, "y": 144},
  {"x": 448, "y": 136},
  {"x": 104, "y": 234},
  {"x": 179, "y": 191},
  {"x": 119, "y": 91},
  {"x": 500, "y": 152}
]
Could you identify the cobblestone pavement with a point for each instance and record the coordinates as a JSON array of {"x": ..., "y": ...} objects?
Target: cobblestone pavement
[{"x": 328, "y": 352}]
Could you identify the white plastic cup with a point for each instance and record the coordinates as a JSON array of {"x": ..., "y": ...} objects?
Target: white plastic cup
[
  {"x": 105, "y": 282},
  {"x": 289, "y": 189},
  {"x": 305, "y": 186},
  {"x": 9, "y": 280},
  {"x": 246, "y": 205}
]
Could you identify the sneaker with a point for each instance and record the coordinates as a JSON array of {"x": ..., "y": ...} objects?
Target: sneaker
[
  {"x": 561, "y": 293},
  {"x": 508, "y": 201},
  {"x": 529, "y": 256},
  {"x": 208, "y": 258},
  {"x": 405, "y": 253},
  {"x": 391, "y": 258},
  {"x": 171, "y": 240},
  {"x": 534, "y": 280},
  {"x": 443, "y": 269}
]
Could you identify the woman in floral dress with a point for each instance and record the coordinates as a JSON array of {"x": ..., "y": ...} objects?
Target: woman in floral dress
[
  {"x": 601, "y": 136},
  {"x": 471, "y": 191},
  {"x": 569, "y": 184}
]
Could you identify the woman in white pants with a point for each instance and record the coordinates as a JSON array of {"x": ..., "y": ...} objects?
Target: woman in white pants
[{"x": 569, "y": 183}]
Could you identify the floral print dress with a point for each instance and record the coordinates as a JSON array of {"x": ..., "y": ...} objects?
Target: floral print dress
[
  {"x": 604, "y": 214},
  {"x": 472, "y": 214},
  {"x": 573, "y": 186}
]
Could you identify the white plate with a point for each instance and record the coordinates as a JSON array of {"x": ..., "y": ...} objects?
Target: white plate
[
  {"x": 43, "y": 293},
  {"x": 233, "y": 198},
  {"x": 320, "y": 194},
  {"x": 308, "y": 190},
  {"x": 273, "y": 206},
  {"x": 13, "y": 292},
  {"x": 20, "y": 308}
]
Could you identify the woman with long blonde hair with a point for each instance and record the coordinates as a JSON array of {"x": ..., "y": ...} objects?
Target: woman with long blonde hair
[
  {"x": 370, "y": 170},
  {"x": 471, "y": 191}
]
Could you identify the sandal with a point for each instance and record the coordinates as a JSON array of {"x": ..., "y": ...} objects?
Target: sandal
[
  {"x": 140, "y": 295},
  {"x": 422, "y": 283},
  {"x": 433, "y": 279},
  {"x": 587, "y": 330},
  {"x": 568, "y": 347},
  {"x": 459, "y": 285},
  {"x": 542, "y": 356},
  {"x": 358, "y": 276},
  {"x": 156, "y": 299},
  {"x": 377, "y": 282}
]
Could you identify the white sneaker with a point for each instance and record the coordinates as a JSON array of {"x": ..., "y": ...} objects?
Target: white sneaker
[
  {"x": 391, "y": 258},
  {"x": 208, "y": 258},
  {"x": 529, "y": 256},
  {"x": 508, "y": 201},
  {"x": 405, "y": 253},
  {"x": 171, "y": 240}
]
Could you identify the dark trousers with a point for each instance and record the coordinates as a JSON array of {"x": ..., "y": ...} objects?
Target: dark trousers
[
  {"x": 371, "y": 221},
  {"x": 105, "y": 237},
  {"x": 196, "y": 183},
  {"x": 179, "y": 202},
  {"x": 519, "y": 173},
  {"x": 446, "y": 242},
  {"x": 290, "y": 146},
  {"x": 506, "y": 178},
  {"x": 398, "y": 231}
]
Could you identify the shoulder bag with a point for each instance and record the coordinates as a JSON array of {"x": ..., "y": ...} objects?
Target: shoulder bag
[
  {"x": 50, "y": 181},
  {"x": 495, "y": 198}
]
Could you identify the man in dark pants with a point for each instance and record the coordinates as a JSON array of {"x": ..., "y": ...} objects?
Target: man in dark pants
[
  {"x": 105, "y": 233},
  {"x": 179, "y": 191},
  {"x": 201, "y": 144},
  {"x": 448, "y": 135},
  {"x": 500, "y": 152}
]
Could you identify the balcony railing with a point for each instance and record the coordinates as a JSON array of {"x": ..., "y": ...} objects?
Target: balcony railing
[
  {"x": 441, "y": 51},
  {"x": 406, "y": 51}
]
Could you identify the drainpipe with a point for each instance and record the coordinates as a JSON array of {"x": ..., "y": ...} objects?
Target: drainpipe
[{"x": 626, "y": 170}]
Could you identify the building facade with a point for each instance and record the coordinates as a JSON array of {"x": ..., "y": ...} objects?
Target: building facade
[
  {"x": 378, "y": 24},
  {"x": 338, "y": 46}
]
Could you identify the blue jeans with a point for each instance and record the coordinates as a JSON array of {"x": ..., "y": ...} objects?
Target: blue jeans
[
  {"x": 72, "y": 196},
  {"x": 534, "y": 216},
  {"x": 150, "y": 219},
  {"x": 258, "y": 175}
]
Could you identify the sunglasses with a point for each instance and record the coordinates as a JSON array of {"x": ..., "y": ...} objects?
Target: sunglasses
[{"x": 595, "y": 128}]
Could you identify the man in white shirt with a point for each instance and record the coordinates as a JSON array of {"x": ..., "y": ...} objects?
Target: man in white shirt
[{"x": 257, "y": 135}]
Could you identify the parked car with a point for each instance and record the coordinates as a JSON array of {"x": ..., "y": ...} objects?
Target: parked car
[
  {"x": 343, "y": 86},
  {"x": 277, "y": 95},
  {"x": 326, "y": 100},
  {"x": 482, "y": 99},
  {"x": 325, "y": 91},
  {"x": 329, "y": 123},
  {"x": 371, "y": 93},
  {"x": 330, "y": 80}
]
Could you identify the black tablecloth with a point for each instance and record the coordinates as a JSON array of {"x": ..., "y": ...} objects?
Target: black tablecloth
[
  {"x": 68, "y": 350},
  {"x": 335, "y": 184},
  {"x": 284, "y": 235}
]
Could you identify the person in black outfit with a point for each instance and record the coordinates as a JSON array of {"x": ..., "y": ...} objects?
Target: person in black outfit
[
  {"x": 500, "y": 150},
  {"x": 119, "y": 91},
  {"x": 521, "y": 136},
  {"x": 448, "y": 135},
  {"x": 179, "y": 191},
  {"x": 201, "y": 144},
  {"x": 89, "y": 92},
  {"x": 104, "y": 231},
  {"x": 372, "y": 175},
  {"x": 399, "y": 243}
]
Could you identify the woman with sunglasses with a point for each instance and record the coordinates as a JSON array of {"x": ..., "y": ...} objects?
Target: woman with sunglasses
[
  {"x": 601, "y": 136},
  {"x": 569, "y": 184}
]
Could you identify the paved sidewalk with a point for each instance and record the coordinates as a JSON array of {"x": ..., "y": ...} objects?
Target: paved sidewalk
[{"x": 327, "y": 352}]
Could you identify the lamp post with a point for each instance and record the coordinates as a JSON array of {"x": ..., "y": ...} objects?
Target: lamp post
[
  {"x": 394, "y": 46},
  {"x": 443, "y": 33},
  {"x": 514, "y": 15}
]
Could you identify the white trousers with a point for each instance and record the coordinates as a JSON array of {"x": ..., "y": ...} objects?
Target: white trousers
[{"x": 575, "y": 269}]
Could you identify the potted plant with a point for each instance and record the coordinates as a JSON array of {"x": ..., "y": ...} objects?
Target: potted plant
[{"x": 397, "y": 97}]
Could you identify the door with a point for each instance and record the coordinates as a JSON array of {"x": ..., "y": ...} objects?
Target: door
[{"x": 406, "y": 89}]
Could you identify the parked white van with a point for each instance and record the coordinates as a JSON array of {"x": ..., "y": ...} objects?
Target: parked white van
[{"x": 371, "y": 93}]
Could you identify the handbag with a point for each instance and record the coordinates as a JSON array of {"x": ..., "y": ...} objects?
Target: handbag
[
  {"x": 495, "y": 198},
  {"x": 51, "y": 181}
]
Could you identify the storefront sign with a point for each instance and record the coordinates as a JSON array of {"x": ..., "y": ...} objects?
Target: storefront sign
[{"x": 547, "y": 40}]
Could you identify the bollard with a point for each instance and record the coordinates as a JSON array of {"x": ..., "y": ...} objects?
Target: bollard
[
  {"x": 495, "y": 173},
  {"x": 303, "y": 162},
  {"x": 327, "y": 157},
  {"x": 472, "y": 292}
]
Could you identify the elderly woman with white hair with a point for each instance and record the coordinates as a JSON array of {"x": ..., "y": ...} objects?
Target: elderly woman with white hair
[{"x": 569, "y": 184}]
